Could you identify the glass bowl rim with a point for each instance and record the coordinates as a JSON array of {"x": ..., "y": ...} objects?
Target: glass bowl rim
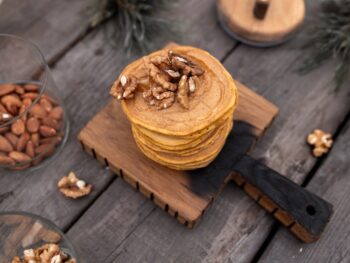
[
  {"x": 36, "y": 49},
  {"x": 46, "y": 222}
]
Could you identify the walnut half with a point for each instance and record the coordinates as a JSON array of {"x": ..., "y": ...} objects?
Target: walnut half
[
  {"x": 72, "y": 187},
  {"x": 321, "y": 141}
]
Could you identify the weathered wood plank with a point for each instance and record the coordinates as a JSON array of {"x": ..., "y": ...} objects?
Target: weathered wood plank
[
  {"x": 234, "y": 228},
  {"x": 331, "y": 182},
  {"x": 84, "y": 76},
  {"x": 81, "y": 106},
  {"x": 53, "y": 25}
]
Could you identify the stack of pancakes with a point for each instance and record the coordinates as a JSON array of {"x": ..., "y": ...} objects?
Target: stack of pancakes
[{"x": 184, "y": 139}]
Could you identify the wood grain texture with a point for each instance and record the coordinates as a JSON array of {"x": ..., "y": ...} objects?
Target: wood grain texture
[
  {"x": 184, "y": 195},
  {"x": 236, "y": 227},
  {"x": 84, "y": 76},
  {"x": 53, "y": 25},
  {"x": 332, "y": 182}
]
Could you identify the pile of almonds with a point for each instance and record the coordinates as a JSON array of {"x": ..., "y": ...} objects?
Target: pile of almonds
[
  {"x": 48, "y": 253},
  {"x": 36, "y": 129}
]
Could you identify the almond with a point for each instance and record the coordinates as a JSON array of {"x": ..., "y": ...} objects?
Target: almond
[
  {"x": 5, "y": 160},
  {"x": 33, "y": 125},
  {"x": 4, "y": 129},
  {"x": 12, "y": 103},
  {"x": 47, "y": 131},
  {"x": 4, "y": 116},
  {"x": 56, "y": 140},
  {"x": 56, "y": 113},
  {"x": 46, "y": 104},
  {"x": 6, "y": 89},
  {"x": 18, "y": 127},
  {"x": 31, "y": 87},
  {"x": 35, "y": 137},
  {"x": 5, "y": 145},
  {"x": 30, "y": 95},
  {"x": 51, "y": 123},
  {"x": 22, "y": 112},
  {"x": 19, "y": 157},
  {"x": 38, "y": 111},
  {"x": 45, "y": 150},
  {"x": 11, "y": 138},
  {"x": 30, "y": 149},
  {"x": 19, "y": 90},
  {"x": 27, "y": 102},
  {"x": 22, "y": 141},
  {"x": 50, "y": 99}
]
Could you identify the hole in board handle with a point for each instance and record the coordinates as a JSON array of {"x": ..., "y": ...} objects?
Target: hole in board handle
[{"x": 310, "y": 209}]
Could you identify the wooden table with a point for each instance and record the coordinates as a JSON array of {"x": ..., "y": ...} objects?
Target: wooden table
[{"x": 116, "y": 223}]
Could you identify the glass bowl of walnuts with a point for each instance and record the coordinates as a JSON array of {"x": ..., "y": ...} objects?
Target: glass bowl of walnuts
[{"x": 28, "y": 238}]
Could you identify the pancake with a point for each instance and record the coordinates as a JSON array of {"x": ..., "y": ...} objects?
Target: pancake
[
  {"x": 174, "y": 143},
  {"x": 190, "y": 149},
  {"x": 206, "y": 155},
  {"x": 189, "y": 132}
]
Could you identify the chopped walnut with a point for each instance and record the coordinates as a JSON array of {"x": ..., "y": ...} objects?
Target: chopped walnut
[
  {"x": 124, "y": 88},
  {"x": 170, "y": 78},
  {"x": 182, "y": 94},
  {"x": 47, "y": 253},
  {"x": 321, "y": 141},
  {"x": 72, "y": 187},
  {"x": 184, "y": 65}
]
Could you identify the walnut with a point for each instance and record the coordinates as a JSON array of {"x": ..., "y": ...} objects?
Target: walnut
[
  {"x": 165, "y": 103},
  {"x": 321, "y": 141},
  {"x": 192, "y": 84},
  {"x": 72, "y": 187},
  {"x": 169, "y": 77},
  {"x": 186, "y": 66},
  {"x": 182, "y": 94},
  {"x": 47, "y": 253},
  {"x": 124, "y": 88},
  {"x": 160, "y": 77},
  {"x": 130, "y": 87}
]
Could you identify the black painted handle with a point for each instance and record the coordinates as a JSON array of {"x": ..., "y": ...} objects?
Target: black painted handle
[{"x": 302, "y": 212}]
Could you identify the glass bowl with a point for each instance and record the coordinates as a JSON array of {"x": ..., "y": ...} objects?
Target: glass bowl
[
  {"x": 20, "y": 231},
  {"x": 33, "y": 121}
]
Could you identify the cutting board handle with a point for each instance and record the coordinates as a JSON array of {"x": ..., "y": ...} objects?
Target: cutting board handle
[{"x": 302, "y": 212}]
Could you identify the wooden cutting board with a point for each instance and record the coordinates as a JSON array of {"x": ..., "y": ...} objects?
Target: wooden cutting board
[{"x": 184, "y": 195}]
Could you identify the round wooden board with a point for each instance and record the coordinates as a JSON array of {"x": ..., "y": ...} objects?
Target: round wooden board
[{"x": 282, "y": 18}]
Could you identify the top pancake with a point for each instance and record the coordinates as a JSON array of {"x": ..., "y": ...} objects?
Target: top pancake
[{"x": 214, "y": 97}]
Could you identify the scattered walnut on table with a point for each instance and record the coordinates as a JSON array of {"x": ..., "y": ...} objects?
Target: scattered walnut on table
[
  {"x": 72, "y": 187},
  {"x": 321, "y": 141}
]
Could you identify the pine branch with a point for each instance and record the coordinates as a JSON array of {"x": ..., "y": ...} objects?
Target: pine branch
[
  {"x": 136, "y": 23},
  {"x": 330, "y": 38}
]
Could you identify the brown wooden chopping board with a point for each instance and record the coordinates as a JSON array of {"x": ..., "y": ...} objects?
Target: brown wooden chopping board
[{"x": 184, "y": 195}]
